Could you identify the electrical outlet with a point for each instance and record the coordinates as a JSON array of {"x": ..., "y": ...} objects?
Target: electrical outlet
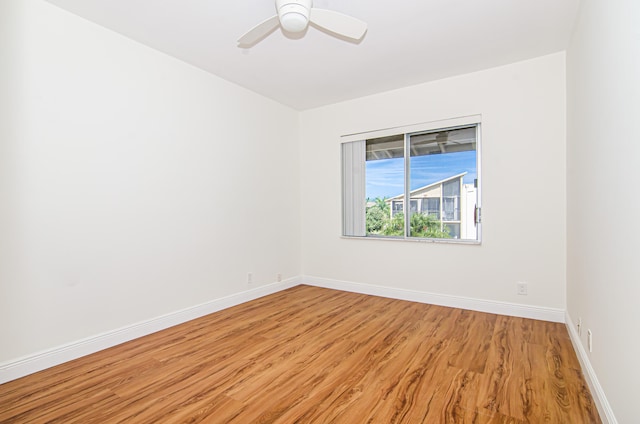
[
  {"x": 589, "y": 340},
  {"x": 250, "y": 278},
  {"x": 579, "y": 326},
  {"x": 278, "y": 277},
  {"x": 522, "y": 288}
]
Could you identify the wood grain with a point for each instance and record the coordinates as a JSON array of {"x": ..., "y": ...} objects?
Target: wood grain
[{"x": 313, "y": 355}]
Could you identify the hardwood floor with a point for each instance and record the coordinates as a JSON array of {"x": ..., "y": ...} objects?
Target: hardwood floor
[{"x": 313, "y": 355}]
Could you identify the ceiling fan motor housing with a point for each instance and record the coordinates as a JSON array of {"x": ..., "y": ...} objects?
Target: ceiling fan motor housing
[{"x": 294, "y": 14}]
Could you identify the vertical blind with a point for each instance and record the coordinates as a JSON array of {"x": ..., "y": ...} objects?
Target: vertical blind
[{"x": 353, "y": 189}]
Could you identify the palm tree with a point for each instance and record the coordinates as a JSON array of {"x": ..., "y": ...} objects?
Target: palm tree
[{"x": 382, "y": 204}]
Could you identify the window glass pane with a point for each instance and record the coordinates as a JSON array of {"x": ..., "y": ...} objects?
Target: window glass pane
[
  {"x": 453, "y": 230},
  {"x": 451, "y": 208},
  {"x": 451, "y": 188},
  {"x": 385, "y": 186},
  {"x": 431, "y": 206},
  {"x": 397, "y": 207},
  {"x": 442, "y": 172}
]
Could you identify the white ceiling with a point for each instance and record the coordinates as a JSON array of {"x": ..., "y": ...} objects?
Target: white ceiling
[{"x": 408, "y": 41}]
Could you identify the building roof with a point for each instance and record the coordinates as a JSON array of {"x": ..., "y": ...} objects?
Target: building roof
[{"x": 400, "y": 196}]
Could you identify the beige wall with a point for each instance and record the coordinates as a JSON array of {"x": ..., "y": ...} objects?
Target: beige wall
[
  {"x": 603, "y": 272},
  {"x": 523, "y": 164},
  {"x": 124, "y": 180}
]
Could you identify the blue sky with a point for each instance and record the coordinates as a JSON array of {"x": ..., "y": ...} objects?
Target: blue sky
[{"x": 385, "y": 178}]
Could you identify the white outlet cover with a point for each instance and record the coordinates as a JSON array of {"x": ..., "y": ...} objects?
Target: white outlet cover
[{"x": 522, "y": 288}]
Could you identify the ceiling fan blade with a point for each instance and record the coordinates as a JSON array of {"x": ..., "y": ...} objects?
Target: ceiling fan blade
[
  {"x": 338, "y": 23},
  {"x": 259, "y": 31}
]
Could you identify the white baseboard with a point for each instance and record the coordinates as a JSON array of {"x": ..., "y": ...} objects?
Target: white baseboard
[
  {"x": 490, "y": 306},
  {"x": 58, "y": 355},
  {"x": 39, "y": 361},
  {"x": 604, "y": 408}
]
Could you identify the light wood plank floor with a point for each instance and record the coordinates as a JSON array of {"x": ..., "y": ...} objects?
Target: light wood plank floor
[{"x": 313, "y": 355}]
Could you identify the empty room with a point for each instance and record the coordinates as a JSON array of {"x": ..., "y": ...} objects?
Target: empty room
[{"x": 266, "y": 211}]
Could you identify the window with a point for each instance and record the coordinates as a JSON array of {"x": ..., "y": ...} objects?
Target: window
[
  {"x": 451, "y": 198},
  {"x": 397, "y": 207},
  {"x": 431, "y": 206},
  {"x": 435, "y": 171}
]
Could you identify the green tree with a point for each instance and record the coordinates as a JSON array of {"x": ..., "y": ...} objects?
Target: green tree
[
  {"x": 422, "y": 225},
  {"x": 377, "y": 215},
  {"x": 375, "y": 220},
  {"x": 381, "y": 203},
  {"x": 395, "y": 226}
]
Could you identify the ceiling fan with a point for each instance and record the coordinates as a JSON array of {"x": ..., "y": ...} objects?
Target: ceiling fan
[{"x": 294, "y": 17}]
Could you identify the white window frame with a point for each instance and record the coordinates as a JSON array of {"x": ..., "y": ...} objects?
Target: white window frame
[{"x": 355, "y": 188}]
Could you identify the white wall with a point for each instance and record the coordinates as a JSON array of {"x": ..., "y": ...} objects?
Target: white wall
[
  {"x": 9, "y": 86},
  {"x": 603, "y": 152},
  {"x": 124, "y": 177},
  {"x": 523, "y": 136},
  {"x": 133, "y": 185}
]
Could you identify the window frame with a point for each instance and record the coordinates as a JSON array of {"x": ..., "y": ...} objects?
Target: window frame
[{"x": 407, "y": 132}]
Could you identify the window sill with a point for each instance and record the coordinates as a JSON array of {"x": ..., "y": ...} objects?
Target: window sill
[{"x": 416, "y": 240}]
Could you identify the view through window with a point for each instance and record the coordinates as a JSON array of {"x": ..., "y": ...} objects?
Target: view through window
[{"x": 437, "y": 171}]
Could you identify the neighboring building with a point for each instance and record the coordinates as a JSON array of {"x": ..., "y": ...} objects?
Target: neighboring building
[{"x": 450, "y": 201}]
